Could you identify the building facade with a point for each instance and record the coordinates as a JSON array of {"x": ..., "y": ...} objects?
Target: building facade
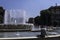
[
  {"x": 55, "y": 15},
  {"x": 51, "y": 16}
]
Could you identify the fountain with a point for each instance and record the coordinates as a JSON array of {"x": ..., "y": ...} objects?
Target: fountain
[
  {"x": 14, "y": 15},
  {"x": 15, "y": 19},
  {"x": 14, "y": 23}
]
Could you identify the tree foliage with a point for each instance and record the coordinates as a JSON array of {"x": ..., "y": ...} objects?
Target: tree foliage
[
  {"x": 45, "y": 17},
  {"x": 37, "y": 20},
  {"x": 30, "y": 20}
]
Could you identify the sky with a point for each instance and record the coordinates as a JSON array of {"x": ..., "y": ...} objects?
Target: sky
[{"x": 31, "y": 7}]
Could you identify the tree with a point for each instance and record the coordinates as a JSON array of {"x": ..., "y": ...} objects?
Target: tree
[
  {"x": 45, "y": 17},
  {"x": 2, "y": 12},
  {"x": 37, "y": 20},
  {"x": 30, "y": 20}
]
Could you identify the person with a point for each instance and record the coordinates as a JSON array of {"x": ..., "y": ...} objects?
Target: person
[{"x": 43, "y": 32}]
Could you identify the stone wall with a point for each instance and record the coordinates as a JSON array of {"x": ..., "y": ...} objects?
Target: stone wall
[{"x": 14, "y": 28}]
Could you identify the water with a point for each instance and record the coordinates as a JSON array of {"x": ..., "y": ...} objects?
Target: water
[
  {"x": 22, "y": 34},
  {"x": 27, "y": 34},
  {"x": 18, "y": 34}
]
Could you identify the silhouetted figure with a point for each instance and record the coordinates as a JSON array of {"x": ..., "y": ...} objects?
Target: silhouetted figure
[{"x": 43, "y": 32}]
